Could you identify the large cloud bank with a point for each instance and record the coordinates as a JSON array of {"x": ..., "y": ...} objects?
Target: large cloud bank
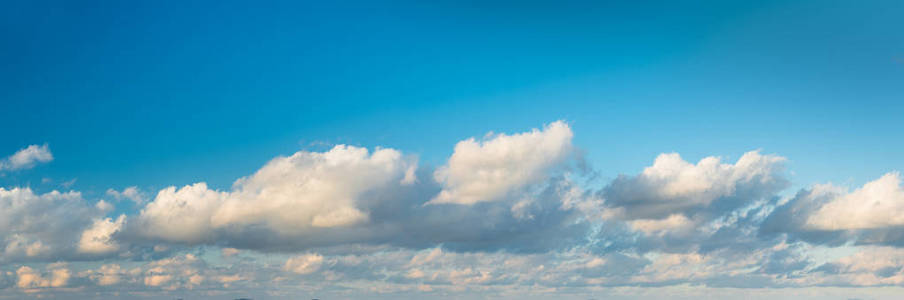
[{"x": 504, "y": 213}]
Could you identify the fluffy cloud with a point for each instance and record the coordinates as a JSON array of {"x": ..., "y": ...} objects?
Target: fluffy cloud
[
  {"x": 828, "y": 214},
  {"x": 309, "y": 189},
  {"x": 289, "y": 195},
  {"x": 98, "y": 239},
  {"x": 877, "y": 204},
  {"x": 181, "y": 215},
  {"x": 349, "y": 195},
  {"x": 37, "y": 227},
  {"x": 674, "y": 186},
  {"x": 27, "y": 158},
  {"x": 678, "y": 206},
  {"x": 486, "y": 170}
]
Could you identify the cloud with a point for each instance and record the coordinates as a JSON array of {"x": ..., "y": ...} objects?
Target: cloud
[
  {"x": 289, "y": 195},
  {"x": 27, "y": 158},
  {"x": 831, "y": 215},
  {"x": 313, "y": 190},
  {"x": 182, "y": 215},
  {"x": 37, "y": 227},
  {"x": 228, "y": 252},
  {"x": 98, "y": 239},
  {"x": 349, "y": 195},
  {"x": 180, "y": 272},
  {"x": 131, "y": 193},
  {"x": 29, "y": 278},
  {"x": 487, "y": 170},
  {"x": 304, "y": 264},
  {"x": 878, "y": 204},
  {"x": 677, "y": 206},
  {"x": 675, "y": 222},
  {"x": 108, "y": 274},
  {"x": 868, "y": 266},
  {"x": 674, "y": 186},
  {"x": 505, "y": 213}
]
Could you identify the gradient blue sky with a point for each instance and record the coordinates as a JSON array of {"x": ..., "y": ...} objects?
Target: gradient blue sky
[
  {"x": 166, "y": 93},
  {"x": 169, "y": 93}
]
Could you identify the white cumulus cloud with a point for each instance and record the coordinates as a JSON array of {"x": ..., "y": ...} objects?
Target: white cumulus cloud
[
  {"x": 674, "y": 186},
  {"x": 288, "y": 195},
  {"x": 879, "y": 203},
  {"x": 181, "y": 215},
  {"x": 310, "y": 189},
  {"x": 480, "y": 171}
]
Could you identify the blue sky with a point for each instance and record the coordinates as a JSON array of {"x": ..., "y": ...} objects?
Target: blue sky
[
  {"x": 115, "y": 87},
  {"x": 164, "y": 93}
]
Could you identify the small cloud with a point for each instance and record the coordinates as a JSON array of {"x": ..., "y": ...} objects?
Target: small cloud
[
  {"x": 304, "y": 264},
  {"x": 130, "y": 193},
  {"x": 104, "y": 206},
  {"x": 228, "y": 252},
  {"x": 27, "y": 158},
  {"x": 69, "y": 183}
]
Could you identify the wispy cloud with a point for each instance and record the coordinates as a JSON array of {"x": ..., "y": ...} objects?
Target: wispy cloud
[{"x": 26, "y": 158}]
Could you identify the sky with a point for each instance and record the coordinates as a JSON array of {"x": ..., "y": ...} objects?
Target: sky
[{"x": 451, "y": 149}]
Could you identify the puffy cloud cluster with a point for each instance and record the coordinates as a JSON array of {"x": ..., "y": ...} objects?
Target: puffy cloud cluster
[
  {"x": 30, "y": 279},
  {"x": 349, "y": 195},
  {"x": 37, "y": 227},
  {"x": 26, "y": 158},
  {"x": 678, "y": 206}
]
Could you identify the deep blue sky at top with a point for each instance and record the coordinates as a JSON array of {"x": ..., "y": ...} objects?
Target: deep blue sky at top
[{"x": 160, "y": 93}]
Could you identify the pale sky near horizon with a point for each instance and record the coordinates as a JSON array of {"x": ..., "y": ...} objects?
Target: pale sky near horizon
[{"x": 451, "y": 150}]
